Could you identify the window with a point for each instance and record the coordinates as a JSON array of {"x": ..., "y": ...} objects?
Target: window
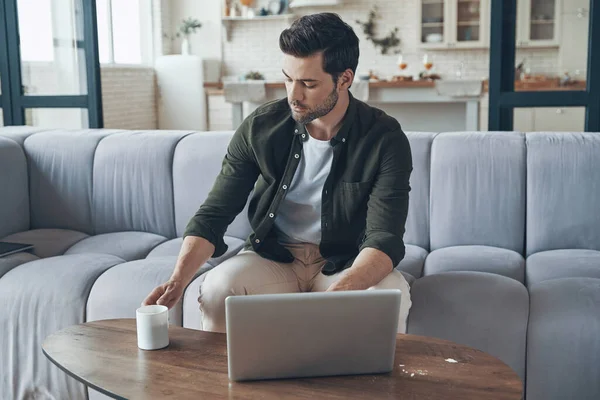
[
  {"x": 36, "y": 33},
  {"x": 124, "y": 31}
]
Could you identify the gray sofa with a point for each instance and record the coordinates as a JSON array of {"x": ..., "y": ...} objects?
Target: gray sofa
[{"x": 503, "y": 243}]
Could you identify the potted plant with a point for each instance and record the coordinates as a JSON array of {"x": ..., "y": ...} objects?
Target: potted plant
[{"x": 188, "y": 26}]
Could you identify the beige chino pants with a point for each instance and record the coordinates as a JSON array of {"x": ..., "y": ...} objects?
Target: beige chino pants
[{"x": 247, "y": 273}]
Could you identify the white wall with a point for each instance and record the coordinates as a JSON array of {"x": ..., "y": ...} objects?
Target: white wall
[{"x": 206, "y": 42}]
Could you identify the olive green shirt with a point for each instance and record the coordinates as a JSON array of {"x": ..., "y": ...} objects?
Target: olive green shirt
[{"x": 364, "y": 199}]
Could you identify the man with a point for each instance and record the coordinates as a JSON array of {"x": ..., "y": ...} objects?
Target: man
[{"x": 330, "y": 176}]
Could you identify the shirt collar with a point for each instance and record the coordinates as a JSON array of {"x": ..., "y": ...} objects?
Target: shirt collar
[{"x": 342, "y": 135}]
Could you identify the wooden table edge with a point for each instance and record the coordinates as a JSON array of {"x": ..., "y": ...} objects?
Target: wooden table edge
[{"x": 78, "y": 378}]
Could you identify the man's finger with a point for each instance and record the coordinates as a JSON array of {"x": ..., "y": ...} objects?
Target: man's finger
[{"x": 153, "y": 297}]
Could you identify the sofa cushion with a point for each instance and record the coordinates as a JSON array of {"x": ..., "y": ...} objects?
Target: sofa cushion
[
  {"x": 197, "y": 162},
  {"x": 417, "y": 221},
  {"x": 13, "y": 260},
  {"x": 133, "y": 183},
  {"x": 563, "y": 191},
  {"x": 413, "y": 260},
  {"x": 14, "y": 201},
  {"x": 127, "y": 245},
  {"x": 172, "y": 247},
  {"x": 486, "y": 311},
  {"x": 20, "y": 133},
  {"x": 39, "y": 298},
  {"x": 476, "y": 258},
  {"x": 60, "y": 177},
  {"x": 478, "y": 190},
  {"x": 563, "y": 346},
  {"x": 47, "y": 242},
  {"x": 562, "y": 264},
  {"x": 118, "y": 292}
]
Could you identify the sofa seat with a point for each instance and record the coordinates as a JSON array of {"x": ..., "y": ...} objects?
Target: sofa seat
[
  {"x": 126, "y": 245},
  {"x": 563, "y": 349},
  {"x": 413, "y": 261},
  {"x": 485, "y": 311},
  {"x": 47, "y": 242},
  {"x": 14, "y": 260},
  {"x": 554, "y": 264},
  {"x": 478, "y": 259},
  {"x": 119, "y": 291},
  {"x": 172, "y": 247},
  {"x": 39, "y": 298}
]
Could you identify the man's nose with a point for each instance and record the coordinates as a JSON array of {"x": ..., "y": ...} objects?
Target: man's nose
[{"x": 295, "y": 93}]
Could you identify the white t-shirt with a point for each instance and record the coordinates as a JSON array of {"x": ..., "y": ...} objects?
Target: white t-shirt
[{"x": 299, "y": 215}]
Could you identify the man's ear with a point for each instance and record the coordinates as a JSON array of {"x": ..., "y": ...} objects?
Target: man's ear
[{"x": 345, "y": 79}]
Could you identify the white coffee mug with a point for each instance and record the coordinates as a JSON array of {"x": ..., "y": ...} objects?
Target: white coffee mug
[{"x": 152, "y": 327}]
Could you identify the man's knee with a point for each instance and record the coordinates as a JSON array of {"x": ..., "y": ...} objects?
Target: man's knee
[{"x": 218, "y": 284}]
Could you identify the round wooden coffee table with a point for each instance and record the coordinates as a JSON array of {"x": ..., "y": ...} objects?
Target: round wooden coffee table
[{"x": 104, "y": 356}]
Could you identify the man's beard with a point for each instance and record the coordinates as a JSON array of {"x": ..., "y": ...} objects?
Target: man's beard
[{"x": 317, "y": 112}]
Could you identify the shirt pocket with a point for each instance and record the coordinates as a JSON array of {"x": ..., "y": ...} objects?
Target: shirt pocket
[{"x": 354, "y": 200}]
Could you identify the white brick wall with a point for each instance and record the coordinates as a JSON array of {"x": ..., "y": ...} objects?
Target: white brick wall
[
  {"x": 129, "y": 97},
  {"x": 254, "y": 44}
]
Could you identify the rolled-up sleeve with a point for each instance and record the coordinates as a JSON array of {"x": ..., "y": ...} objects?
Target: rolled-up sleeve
[
  {"x": 387, "y": 207},
  {"x": 229, "y": 193}
]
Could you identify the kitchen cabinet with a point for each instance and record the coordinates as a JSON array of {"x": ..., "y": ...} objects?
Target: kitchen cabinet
[
  {"x": 448, "y": 24},
  {"x": 549, "y": 119},
  {"x": 573, "y": 53},
  {"x": 538, "y": 23},
  {"x": 564, "y": 119}
]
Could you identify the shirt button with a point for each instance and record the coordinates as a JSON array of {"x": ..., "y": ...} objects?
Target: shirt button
[
  {"x": 295, "y": 130},
  {"x": 325, "y": 224},
  {"x": 257, "y": 240},
  {"x": 303, "y": 136},
  {"x": 344, "y": 140},
  {"x": 296, "y": 155},
  {"x": 271, "y": 215},
  {"x": 284, "y": 187},
  {"x": 326, "y": 192}
]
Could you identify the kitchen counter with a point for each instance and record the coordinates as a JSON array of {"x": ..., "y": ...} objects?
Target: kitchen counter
[
  {"x": 217, "y": 87},
  {"x": 423, "y": 105},
  {"x": 543, "y": 85}
]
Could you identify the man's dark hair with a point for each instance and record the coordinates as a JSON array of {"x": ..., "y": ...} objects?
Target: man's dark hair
[{"x": 327, "y": 33}]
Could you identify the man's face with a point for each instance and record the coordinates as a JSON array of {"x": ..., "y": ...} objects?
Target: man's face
[{"x": 311, "y": 91}]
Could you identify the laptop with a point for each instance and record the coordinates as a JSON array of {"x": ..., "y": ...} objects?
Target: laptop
[
  {"x": 7, "y": 248},
  {"x": 296, "y": 335}
]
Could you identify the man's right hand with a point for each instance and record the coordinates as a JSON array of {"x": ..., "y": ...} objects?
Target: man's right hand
[{"x": 167, "y": 294}]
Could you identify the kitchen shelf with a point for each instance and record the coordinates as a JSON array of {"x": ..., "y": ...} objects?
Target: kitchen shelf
[
  {"x": 432, "y": 24},
  {"x": 258, "y": 17},
  {"x": 469, "y": 23},
  {"x": 229, "y": 21},
  {"x": 543, "y": 22}
]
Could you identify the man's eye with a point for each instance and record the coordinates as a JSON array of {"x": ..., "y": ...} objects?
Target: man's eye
[{"x": 310, "y": 87}]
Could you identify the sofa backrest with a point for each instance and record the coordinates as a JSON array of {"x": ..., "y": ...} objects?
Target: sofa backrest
[
  {"x": 14, "y": 193},
  {"x": 467, "y": 188},
  {"x": 196, "y": 164},
  {"x": 60, "y": 178},
  {"x": 133, "y": 182},
  {"x": 563, "y": 191},
  {"x": 478, "y": 190},
  {"x": 417, "y": 223}
]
